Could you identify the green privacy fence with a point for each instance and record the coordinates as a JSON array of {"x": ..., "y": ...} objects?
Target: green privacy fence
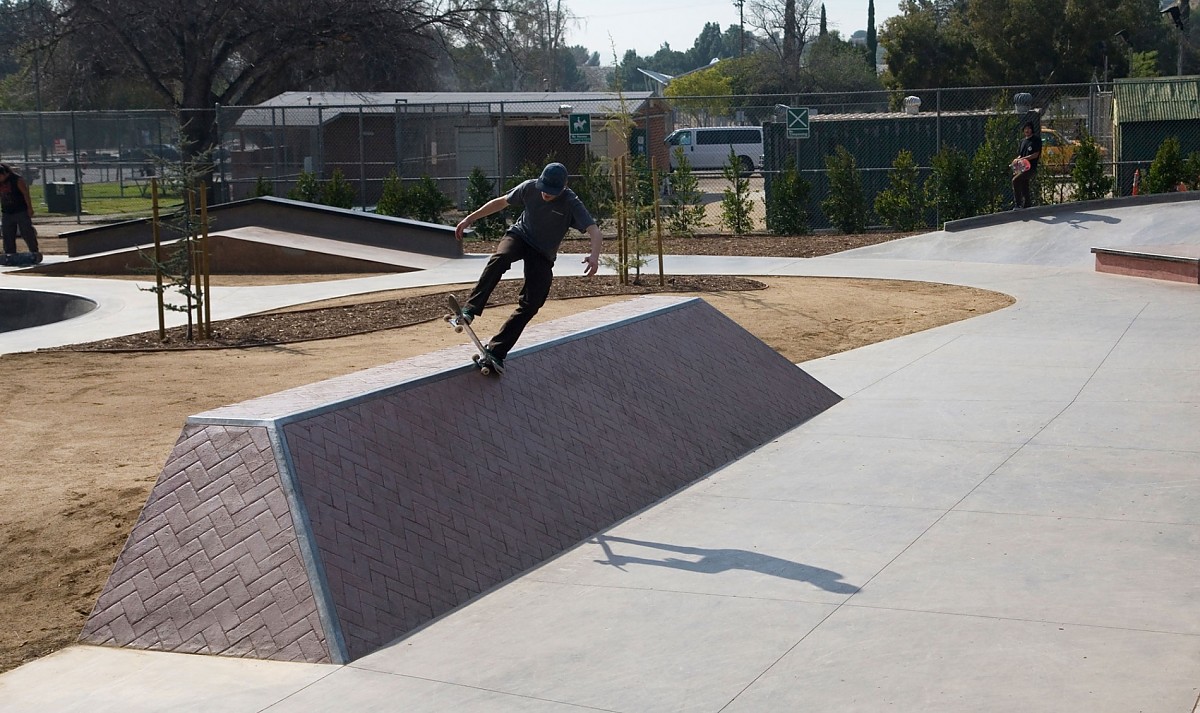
[{"x": 99, "y": 162}]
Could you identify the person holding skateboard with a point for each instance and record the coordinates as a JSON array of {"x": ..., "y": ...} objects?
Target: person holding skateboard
[
  {"x": 549, "y": 210},
  {"x": 16, "y": 208},
  {"x": 1030, "y": 150}
]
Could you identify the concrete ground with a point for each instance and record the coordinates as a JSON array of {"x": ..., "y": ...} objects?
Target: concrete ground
[{"x": 1002, "y": 515}]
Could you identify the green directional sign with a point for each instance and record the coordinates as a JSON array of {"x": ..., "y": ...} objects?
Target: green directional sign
[
  {"x": 580, "y": 127},
  {"x": 797, "y": 122}
]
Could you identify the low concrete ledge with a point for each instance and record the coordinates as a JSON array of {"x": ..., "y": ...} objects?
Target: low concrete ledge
[
  {"x": 1175, "y": 263},
  {"x": 980, "y": 221},
  {"x": 321, "y": 523}
]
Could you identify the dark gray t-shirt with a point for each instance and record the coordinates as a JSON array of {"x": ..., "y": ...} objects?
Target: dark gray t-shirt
[{"x": 543, "y": 224}]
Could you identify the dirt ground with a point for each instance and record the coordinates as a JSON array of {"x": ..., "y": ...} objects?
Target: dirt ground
[{"x": 86, "y": 432}]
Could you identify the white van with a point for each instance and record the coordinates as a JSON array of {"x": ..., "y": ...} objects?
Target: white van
[{"x": 708, "y": 148}]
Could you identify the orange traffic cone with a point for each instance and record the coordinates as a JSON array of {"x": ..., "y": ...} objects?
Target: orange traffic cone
[{"x": 1137, "y": 179}]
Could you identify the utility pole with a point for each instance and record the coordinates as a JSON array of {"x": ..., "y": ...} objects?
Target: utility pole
[{"x": 741, "y": 26}]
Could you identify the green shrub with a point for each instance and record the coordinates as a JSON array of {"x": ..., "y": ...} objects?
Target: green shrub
[
  {"x": 1191, "y": 171},
  {"x": 991, "y": 176},
  {"x": 944, "y": 187},
  {"x": 902, "y": 205},
  {"x": 307, "y": 188},
  {"x": 787, "y": 202},
  {"x": 1088, "y": 172},
  {"x": 736, "y": 204},
  {"x": 263, "y": 187},
  {"x": 427, "y": 202},
  {"x": 846, "y": 205},
  {"x": 337, "y": 191},
  {"x": 394, "y": 199},
  {"x": 480, "y": 190},
  {"x": 686, "y": 212},
  {"x": 1166, "y": 171}
]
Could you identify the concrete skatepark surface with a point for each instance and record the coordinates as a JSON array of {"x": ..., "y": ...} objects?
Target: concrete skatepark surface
[{"x": 1000, "y": 515}]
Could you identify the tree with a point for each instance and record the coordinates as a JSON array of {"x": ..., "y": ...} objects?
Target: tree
[
  {"x": 846, "y": 205},
  {"x": 1166, "y": 170},
  {"x": 872, "y": 40},
  {"x": 712, "y": 89},
  {"x": 928, "y": 46},
  {"x": 1144, "y": 64},
  {"x": 736, "y": 204},
  {"x": 959, "y": 43},
  {"x": 393, "y": 200},
  {"x": 787, "y": 202},
  {"x": 687, "y": 208},
  {"x": 837, "y": 66},
  {"x": 785, "y": 26},
  {"x": 337, "y": 191},
  {"x": 200, "y": 54},
  {"x": 479, "y": 191},
  {"x": 944, "y": 187},
  {"x": 824, "y": 25},
  {"x": 1088, "y": 174},
  {"x": 901, "y": 205},
  {"x": 307, "y": 188},
  {"x": 990, "y": 173}
]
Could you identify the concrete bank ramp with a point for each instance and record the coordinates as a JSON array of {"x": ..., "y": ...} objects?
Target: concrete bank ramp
[{"x": 321, "y": 523}]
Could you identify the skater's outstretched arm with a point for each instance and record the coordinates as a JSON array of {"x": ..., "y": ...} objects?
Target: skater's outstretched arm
[
  {"x": 495, "y": 205},
  {"x": 593, "y": 260}
]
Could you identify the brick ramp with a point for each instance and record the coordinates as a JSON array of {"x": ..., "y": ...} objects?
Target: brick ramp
[{"x": 321, "y": 523}]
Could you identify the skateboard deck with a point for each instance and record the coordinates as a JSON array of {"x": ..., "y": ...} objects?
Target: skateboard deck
[
  {"x": 483, "y": 361},
  {"x": 1020, "y": 166},
  {"x": 20, "y": 259}
]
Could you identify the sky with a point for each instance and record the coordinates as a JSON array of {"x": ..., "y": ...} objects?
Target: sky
[{"x": 644, "y": 25}]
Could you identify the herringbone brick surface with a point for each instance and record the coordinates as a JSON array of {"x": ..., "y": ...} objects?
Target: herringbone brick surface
[
  {"x": 423, "y": 498},
  {"x": 212, "y": 564},
  {"x": 424, "y": 492}
]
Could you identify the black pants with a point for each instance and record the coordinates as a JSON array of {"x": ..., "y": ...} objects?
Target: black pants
[
  {"x": 539, "y": 273},
  {"x": 1021, "y": 195},
  {"x": 10, "y": 224}
]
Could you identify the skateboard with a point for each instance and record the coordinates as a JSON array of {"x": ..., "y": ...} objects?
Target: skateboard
[
  {"x": 483, "y": 361},
  {"x": 20, "y": 259},
  {"x": 1019, "y": 166}
]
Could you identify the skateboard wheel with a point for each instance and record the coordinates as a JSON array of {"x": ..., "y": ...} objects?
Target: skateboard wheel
[
  {"x": 458, "y": 329},
  {"x": 485, "y": 370}
]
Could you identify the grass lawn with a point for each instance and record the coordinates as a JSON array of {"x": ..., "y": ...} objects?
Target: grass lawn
[{"x": 109, "y": 198}]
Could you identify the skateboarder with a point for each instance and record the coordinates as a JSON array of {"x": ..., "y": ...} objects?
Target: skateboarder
[
  {"x": 549, "y": 209},
  {"x": 17, "y": 213},
  {"x": 1030, "y": 150}
]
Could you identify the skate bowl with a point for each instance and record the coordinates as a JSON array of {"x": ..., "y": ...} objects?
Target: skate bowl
[
  {"x": 22, "y": 309},
  {"x": 324, "y": 522}
]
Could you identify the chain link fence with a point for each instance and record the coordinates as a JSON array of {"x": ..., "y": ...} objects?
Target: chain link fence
[{"x": 713, "y": 164}]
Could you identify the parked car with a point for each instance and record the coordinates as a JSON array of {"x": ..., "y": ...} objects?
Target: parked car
[
  {"x": 708, "y": 148},
  {"x": 1058, "y": 152}
]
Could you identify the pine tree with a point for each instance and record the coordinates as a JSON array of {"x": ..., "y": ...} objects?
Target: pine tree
[
  {"x": 872, "y": 40},
  {"x": 846, "y": 205},
  {"x": 824, "y": 26},
  {"x": 1088, "y": 173},
  {"x": 687, "y": 208},
  {"x": 902, "y": 205},
  {"x": 338, "y": 192},
  {"x": 736, "y": 205}
]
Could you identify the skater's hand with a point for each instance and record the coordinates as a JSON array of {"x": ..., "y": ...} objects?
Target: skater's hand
[
  {"x": 593, "y": 264},
  {"x": 462, "y": 228}
]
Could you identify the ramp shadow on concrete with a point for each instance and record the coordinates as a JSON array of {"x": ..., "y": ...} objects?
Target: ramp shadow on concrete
[{"x": 321, "y": 523}]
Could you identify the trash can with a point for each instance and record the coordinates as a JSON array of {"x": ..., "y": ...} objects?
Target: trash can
[{"x": 62, "y": 197}]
